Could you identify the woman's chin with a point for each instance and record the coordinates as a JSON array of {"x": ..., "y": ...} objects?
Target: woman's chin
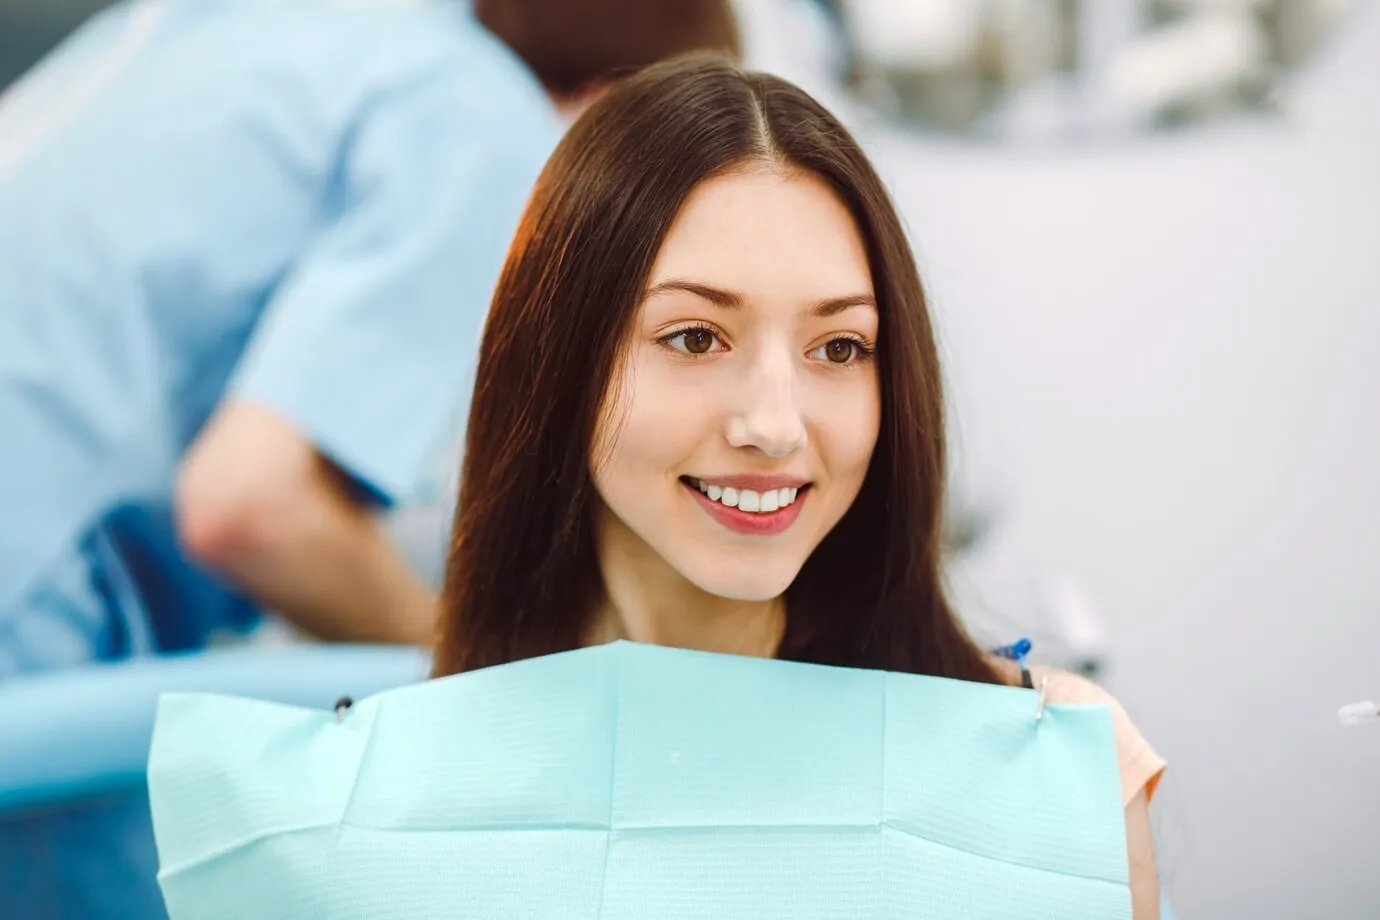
[{"x": 756, "y": 584}]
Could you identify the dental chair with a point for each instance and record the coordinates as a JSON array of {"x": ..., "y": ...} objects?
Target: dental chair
[{"x": 75, "y": 838}]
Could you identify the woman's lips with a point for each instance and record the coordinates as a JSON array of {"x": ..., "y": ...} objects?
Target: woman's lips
[{"x": 750, "y": 523}]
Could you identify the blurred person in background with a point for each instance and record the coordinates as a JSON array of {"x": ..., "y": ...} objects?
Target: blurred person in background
[{"x": 245, "y": 254}]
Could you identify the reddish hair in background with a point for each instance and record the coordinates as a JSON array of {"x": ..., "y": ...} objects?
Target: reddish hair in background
[{"x": 573, "y": 44}]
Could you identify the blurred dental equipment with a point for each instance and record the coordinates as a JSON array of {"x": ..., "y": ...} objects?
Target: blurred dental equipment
[
  {"x": 1054, "y": 69},
  {"x": 998, "y": 599},
  {"x": 1358, "y": 713}
]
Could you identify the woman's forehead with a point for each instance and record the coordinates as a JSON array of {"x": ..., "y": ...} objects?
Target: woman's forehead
[{"x": 767, "y": 232}]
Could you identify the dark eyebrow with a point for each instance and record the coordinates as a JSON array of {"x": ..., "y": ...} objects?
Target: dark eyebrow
[
  {"x": 731, "y": 300},
  {"x": 835, "y": 305},
  {"x": 726, "y": 299}
]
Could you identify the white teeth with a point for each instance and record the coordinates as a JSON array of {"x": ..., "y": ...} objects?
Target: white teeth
[{"x": 749, "y": 499}]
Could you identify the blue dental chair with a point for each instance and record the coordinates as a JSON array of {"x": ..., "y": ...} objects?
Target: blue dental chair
[{"x": 75, "y": 838}]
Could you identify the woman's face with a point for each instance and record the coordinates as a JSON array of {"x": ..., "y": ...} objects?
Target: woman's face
[{"x": 744, "y": 419}]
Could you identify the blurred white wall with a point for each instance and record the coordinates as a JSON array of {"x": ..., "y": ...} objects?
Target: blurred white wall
[{"x": 1168, "y": 356}]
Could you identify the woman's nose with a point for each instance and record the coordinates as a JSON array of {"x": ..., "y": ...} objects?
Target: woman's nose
[{"x": 769, "y": 417}]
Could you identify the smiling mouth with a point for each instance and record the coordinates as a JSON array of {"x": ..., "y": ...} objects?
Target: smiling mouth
[{"x": 748, "y": 501}]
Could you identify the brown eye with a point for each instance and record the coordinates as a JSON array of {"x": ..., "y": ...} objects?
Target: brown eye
[
  {"x": 698, "y": 341},
  {"x": 691, "y": 341},
  {"x": 840, "y": 351}
]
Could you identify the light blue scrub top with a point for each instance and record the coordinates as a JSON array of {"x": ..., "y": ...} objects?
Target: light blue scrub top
[{"x": 298, "y": 203}]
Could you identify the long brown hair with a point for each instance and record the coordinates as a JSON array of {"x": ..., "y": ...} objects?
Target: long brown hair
[{"x": 523, "y": 579}]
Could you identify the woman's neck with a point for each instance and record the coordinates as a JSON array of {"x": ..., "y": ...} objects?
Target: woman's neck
[{"x": 647, "y": 601}]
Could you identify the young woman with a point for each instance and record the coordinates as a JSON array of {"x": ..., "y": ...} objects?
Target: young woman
[{"x": 708, "y": 410}]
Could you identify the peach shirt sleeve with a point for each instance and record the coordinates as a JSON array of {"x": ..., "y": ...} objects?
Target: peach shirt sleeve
[{"x": 1141, "y": 766}]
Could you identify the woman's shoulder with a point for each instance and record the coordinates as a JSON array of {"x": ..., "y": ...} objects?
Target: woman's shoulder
[{"x": 1141, "y": 765}]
